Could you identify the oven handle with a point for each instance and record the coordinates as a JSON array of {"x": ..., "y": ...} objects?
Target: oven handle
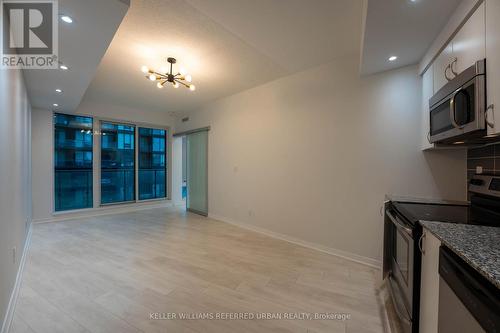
[
  {"x": 397, "y": 305},
  {"x": 399, "y": 224},
  {"x": 452, "y": 109}
]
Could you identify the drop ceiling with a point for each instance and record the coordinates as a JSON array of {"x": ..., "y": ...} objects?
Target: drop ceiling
[
  {"x": 227, "y": 45},
  {"x": 82, "y": 45},
  {"x": 402, "y": 28}
]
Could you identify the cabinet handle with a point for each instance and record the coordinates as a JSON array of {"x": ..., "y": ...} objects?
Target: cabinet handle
[
  {"x": 451, "y": 66},
  {"x": 429, "y": 137},
  {"x": 489, "y": 123},
  {"x": 382, "y": 210},
  {"x": 420, "y": 243},
  {"x": 446, "y": 73}
]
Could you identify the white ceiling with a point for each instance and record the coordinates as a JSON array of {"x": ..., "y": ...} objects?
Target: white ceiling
[
  {"x": 82, "y": 45},
  {"x": 227, "y": 45},
  {"x": 403, "y": 28}
]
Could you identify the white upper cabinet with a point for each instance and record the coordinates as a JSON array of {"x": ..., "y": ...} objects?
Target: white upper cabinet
[
  {"x": 493, "y": 64},
  {"x": 441, "y": 67},
  {"x": 427, "y": 92},
  {"x": 469, "y": 45}
]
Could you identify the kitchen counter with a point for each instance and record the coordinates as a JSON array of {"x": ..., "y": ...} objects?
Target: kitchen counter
[
  {"x": 403, "y": 198},
  {"x": 479, "y": 246}
]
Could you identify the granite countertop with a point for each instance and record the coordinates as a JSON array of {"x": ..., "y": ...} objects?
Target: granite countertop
[{"x": 479, "y": 246}]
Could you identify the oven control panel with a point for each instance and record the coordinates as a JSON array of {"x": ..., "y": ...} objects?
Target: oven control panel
[{"x": 486, "y": 185}]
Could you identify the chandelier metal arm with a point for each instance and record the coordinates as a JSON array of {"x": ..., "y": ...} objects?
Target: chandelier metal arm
[{"x": 183, "y": 83}]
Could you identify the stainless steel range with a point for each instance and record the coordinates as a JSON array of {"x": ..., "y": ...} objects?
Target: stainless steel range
[{"x": 402, "y": 240}]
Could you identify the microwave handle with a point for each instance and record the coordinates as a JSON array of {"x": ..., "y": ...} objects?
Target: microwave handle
[{"x": 452, "y": 109}]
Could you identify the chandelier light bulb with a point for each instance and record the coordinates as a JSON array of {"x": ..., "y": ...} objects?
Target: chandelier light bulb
[
  {"x": 152, "y": 77},
  {"x": 176, "y": 85},
  {"x": 183, "y": 71},
  {"x": 192, "y": 87},
  {"x": 189, "y": 78},
  {"x": 159, "y": 85},
  {"x": 145, "y": 69}
]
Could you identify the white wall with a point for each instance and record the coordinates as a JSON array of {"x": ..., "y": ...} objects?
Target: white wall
[
  {"x": 43, "y": 147},
  {"x": 311, "y": 156},
  {"x": 42, "y": 136},
  {"x": 15, "y": 181},
  {"x": 177, "y": 172}
]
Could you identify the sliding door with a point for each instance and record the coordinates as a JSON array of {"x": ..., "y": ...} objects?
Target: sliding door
[
  {"x": 152, "y": 163},
  {"x": 197, "y": 172},
  {"x": 72, "y": 162},
  {"x": 117, "y": 163}
]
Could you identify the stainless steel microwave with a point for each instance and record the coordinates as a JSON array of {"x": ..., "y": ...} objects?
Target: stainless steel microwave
[{"x": 457, "y": 111}]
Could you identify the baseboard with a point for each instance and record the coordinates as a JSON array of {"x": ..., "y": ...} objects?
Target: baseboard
[
  {"x": 17, "y": 286},
  {"x": 101, "y": 211},
  {"x": 339, "y": 253}
]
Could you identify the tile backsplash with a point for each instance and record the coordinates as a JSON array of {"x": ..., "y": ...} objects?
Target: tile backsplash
[{"x": 487, "y": 158}]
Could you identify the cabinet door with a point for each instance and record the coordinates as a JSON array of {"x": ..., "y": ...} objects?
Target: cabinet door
[
  {"x": 440, "y": 64},
  {"x": 493, "y": 63},
  {"x": 429, "y": 285},
  {"x": 469, "y": 45},
  {"x": 427, "y": 92}
]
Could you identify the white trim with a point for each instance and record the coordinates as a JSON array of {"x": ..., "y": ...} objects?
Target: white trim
[
  {"x": 17, "y": 285},
  {"x": 105, "y": 210},
  {"x": 374, "y": 263}
]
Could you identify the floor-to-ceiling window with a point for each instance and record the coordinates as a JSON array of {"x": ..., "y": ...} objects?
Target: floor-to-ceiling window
[
  {"x": 72, "y": 162},
  {"x": 117, "y": 163},
  {"x": 152, "y": 163},
  {"x": 121, "y": 179}
]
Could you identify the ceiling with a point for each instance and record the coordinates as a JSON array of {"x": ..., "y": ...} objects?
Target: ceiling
[
  {"x": 82, "y": 45},
  {"x": 227, "y": 45},
  {"x": 403, "y": 28}
]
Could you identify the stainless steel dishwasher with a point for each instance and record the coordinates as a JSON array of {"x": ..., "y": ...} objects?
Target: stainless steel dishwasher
[{"x": 468, "y": 302}]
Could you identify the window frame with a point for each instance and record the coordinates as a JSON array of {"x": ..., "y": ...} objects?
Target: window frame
[
  {"x": 53, "y": 163},
  {"x": 100, "y": 163},
  {"x": 96, "y": 167},
  {"x": 167, "y": 161}
]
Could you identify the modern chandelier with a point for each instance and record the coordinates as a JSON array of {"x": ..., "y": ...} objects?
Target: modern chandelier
[{"x": 162, "y": 77}]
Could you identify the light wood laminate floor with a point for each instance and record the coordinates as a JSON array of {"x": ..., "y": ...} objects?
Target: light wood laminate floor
[{"x": 110, "y": 273}]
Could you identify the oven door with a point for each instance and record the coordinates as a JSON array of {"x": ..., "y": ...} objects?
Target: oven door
[
  {"x": 401, "y": 274},
  {"x": 460, "y": 113}
]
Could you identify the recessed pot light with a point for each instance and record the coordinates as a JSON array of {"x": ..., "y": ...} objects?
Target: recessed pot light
[
  {"x": 58, "y": 91},
  {"x": 67, "y": 19},
  {"x": 393, "y": 58}
]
